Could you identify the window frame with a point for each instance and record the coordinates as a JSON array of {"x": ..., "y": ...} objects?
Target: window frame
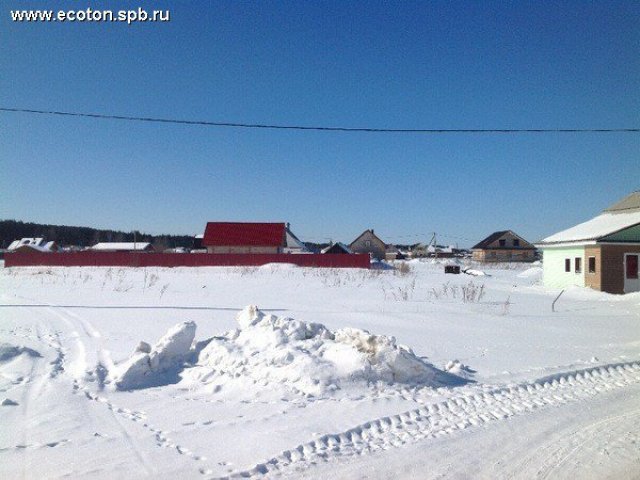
[
  {"x": 577, "y": 265},
  {"x": 626, "y": 266},
  {"x": 590, "y": 270},
  {"x": 567, "y": 265}
]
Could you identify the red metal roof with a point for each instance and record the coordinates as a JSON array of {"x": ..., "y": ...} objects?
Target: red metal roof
[{"x": 244, "y": 234}]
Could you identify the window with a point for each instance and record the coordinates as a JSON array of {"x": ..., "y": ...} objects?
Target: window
[
  {"x": 592, "y": 264},
  {"x": 516, "y": 242},
  {"x": 632, "y": 266},
  {"x": 367, "y": 243},
  {"x": 502, "y": 242},
  {"x": 567, "y": 264},
  {"x": 578, "y": 267}
]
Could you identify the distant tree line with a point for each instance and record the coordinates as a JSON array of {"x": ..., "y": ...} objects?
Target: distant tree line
[{"x": 64, "y": 235}]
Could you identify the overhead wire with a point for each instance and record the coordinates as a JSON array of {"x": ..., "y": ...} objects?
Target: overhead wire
[{"x": 103, "y": 116}]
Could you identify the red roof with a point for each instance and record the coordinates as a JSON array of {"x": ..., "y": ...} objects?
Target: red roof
[{"x": 218, "y": 234}]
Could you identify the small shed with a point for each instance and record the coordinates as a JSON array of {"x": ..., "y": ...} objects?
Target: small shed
[
  {"x": 197, "y": 242},
  {"x": 393, "y": 253}
]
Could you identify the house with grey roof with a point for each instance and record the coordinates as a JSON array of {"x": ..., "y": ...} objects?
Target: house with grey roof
[{"x": 369, "y": 242}]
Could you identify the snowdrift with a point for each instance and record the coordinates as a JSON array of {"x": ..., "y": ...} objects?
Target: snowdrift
[
  {"x": 307, "y": 357},
  {"x": 533, "y": 273},
  {"x": 264, "y": 350},
  {"x": 159, "y": 365}
]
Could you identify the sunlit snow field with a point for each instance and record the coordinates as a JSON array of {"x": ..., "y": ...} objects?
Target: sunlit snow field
[{"x": 458, "y": 375}]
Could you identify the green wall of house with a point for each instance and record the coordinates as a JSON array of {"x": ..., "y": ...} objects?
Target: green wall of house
[{"x": 555, "y": 275}]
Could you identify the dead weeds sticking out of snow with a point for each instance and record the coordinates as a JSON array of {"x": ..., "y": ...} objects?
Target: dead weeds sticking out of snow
[{"x": 467, "y": 293}]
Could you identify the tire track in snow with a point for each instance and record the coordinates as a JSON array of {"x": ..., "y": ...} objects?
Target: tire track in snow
[
  {"x": 35, "y": 384},
  {"x": 104, "y": 358},
  {"x": 72, "y": 362},
  {"x": 102, "y": 354},
  {"x": 75, "y": 364},
  {"x": 451, "y": 415},
  {"x": 579, "y": 441}
]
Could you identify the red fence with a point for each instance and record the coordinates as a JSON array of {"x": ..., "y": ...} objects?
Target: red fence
[{"x": 138, "y": 259}]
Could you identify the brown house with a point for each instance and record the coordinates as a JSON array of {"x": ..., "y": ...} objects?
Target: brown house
[
  {"x": 369, "y": 243},
  {"x": 504, "y": 246}
]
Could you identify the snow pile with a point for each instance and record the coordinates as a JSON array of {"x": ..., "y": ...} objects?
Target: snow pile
[
  {"x": 534, "y": 274},
  {"x": 307, "y": 357},
  {"x": 158, "y": 365},
  {"x": 8, "y": 352},
  {"x": 456, "y": 367}
]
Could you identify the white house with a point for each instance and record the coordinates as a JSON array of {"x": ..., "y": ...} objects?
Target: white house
[{"x": 601, "y": 253}]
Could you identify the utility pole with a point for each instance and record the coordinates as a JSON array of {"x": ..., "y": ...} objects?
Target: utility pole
[{"x": 433, "y": 242}]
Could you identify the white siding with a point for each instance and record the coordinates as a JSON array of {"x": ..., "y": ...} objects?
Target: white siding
[{"x": 554, "y": 267}]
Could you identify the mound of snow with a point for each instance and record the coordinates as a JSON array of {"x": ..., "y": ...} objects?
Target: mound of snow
[
  {"x": 533, "y": 273},
  {"x": 456, "y": 367},
  {"x": 307, "y": 357},
  {"x": 8, "y": 352},
  {"x": 158, "y": 365}
]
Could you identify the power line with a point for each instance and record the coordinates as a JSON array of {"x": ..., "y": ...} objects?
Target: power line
[
  {"x": 425, "y": 235},
  {"x": 321, "y": 129}
]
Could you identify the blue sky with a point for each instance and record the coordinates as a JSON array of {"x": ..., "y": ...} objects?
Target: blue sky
[{"x": 374, "y": 64}]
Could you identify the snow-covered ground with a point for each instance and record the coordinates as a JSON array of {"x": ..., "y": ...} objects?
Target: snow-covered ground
[{"x": 290, "y": 372}]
